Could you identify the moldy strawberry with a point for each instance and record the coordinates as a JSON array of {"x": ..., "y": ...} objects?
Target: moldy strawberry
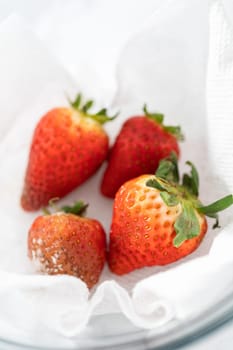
[{"x": 64, "y": 242}]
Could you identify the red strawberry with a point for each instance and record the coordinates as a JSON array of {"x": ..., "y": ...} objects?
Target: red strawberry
[
  {"x": 142, "y": 142},
  {"x": 65, "y": 243},
  {"x": 68, "y": 146},
  {"x": 157, "y": 221}
]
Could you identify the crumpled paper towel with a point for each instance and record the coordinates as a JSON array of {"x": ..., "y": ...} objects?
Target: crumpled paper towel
[{"x": 61, "y": 306}]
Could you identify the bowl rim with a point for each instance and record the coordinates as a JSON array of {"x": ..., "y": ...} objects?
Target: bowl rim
[{"x": 171, "y": 336}]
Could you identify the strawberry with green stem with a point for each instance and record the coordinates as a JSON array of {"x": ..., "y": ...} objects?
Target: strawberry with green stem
[
  {"x": 157, "y": 220},
  {"x": 65, "y": 242},
  {"x": 68, "y": 146},
  {"x": 142, "y": 142}
]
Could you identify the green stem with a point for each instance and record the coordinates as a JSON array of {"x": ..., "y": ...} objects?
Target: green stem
[
  {"x": 158, "y": 118},
  {"x": 78, "y": 208},
  {"x": 217, "y": 206},
  {"x": 83, "y": 107}
]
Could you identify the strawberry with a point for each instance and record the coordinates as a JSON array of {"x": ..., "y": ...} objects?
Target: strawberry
[
  {"x": 66, "y": 243},
  {"x": 157, "y": 221},
  {"x": 142, "y": 142},
  {"x": 68, "y": 146}
]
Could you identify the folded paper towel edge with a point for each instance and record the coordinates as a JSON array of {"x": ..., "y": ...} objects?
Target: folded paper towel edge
[{"x": 161, "y": 311}]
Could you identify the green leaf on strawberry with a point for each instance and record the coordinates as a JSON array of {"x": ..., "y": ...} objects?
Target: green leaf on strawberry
[
  {"x": 169, "y": 198},
  {"x": 168, "y": 169},
  {"x": 101, "y": 116},
  {"x": 166, "y": 180},
  {"x": 78, "y": 208},
  {"x": 186, "y": 225},
  {"x": 159, "y": 118}
]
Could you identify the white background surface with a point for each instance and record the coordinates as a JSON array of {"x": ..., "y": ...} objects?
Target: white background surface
[{"x": 52, "y": 21}]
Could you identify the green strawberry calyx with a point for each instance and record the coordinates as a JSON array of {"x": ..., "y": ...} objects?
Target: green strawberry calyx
[
  {"x": 185, "y": 194},
  {"x": 78, "y": 208},
  {"x": 159, "y": 118},
  {"x": 84, "y": 107}
]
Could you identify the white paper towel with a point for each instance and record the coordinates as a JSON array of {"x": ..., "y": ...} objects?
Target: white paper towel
[{"x": 61, "y": 306}]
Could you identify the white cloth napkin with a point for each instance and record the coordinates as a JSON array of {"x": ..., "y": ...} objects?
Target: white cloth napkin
[{"x": 166, "y": 68}]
